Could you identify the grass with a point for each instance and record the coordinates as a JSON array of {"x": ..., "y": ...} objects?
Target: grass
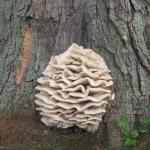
[{"x": 19, "y": 131}]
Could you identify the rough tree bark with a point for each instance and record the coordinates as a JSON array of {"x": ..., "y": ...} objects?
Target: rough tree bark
[{"x": 31, "y": 31}]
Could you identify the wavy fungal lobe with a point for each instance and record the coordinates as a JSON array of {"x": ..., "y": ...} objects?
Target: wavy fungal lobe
[{"x": 74, "y": 89}]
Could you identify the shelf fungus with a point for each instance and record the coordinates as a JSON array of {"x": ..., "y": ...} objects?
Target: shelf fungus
[{"x": 74, "y": 89}]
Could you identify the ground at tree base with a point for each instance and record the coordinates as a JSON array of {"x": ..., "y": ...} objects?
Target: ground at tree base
[{"x": 20, "y": 131}]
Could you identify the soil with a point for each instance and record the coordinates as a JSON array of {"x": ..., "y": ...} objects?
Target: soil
[{"x": 21, "y": 131}]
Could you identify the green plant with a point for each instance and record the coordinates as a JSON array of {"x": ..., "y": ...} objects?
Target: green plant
[
  {"x": 145, "y": 125},
  {"x": 130, "y": 136}
]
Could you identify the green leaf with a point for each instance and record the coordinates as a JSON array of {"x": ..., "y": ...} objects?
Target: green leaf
[
  {"x": 145, "y": 122},
  {"x": 134, "y": 133},
  {"x": 130, "y": 142},
  {"x": 123, "y": 122},
  {"x": 127, "y": 133},
  {"x": 143, "y": 130}
]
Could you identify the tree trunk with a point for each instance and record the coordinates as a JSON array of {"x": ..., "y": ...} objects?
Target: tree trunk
[{"x": 31, "y": 31}]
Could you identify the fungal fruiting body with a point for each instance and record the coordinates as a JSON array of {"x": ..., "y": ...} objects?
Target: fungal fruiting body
[{"x": 74, "y": 89}]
